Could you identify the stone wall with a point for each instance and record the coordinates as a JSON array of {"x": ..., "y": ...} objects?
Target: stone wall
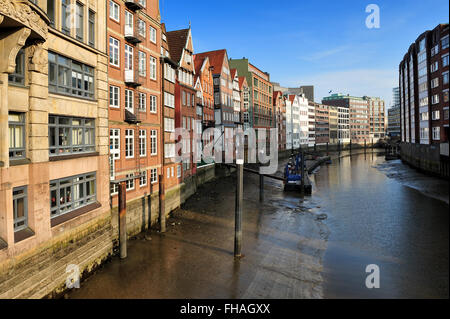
[
  {"x": 42, "y": 271},
  {"x": 426, "y": 158}
]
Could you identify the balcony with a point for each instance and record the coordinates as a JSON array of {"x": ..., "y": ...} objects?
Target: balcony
[
  {"x": 131, "y": 34},
  {"x": 131, "y": 78},
  {"x": 133, "y": 5},
  {"x": 131, "y": 118}
]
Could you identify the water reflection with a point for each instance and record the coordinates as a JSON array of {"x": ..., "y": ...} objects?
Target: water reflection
[{"x": 374, "y": 219}]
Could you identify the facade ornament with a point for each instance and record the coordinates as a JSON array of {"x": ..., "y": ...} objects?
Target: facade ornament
[
  {"x": 23, "y": 13},
  {"x": 38, "y": 58}
]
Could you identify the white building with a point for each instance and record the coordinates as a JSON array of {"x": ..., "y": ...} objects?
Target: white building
[
  {"x": 303, "y": 120},
  {"x": 311, "y": 125},
  {"x": 292, "y": 122}
]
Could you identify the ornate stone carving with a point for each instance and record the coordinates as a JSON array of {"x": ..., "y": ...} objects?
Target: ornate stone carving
[
  {"x": 24, "y": 14},
  {"x": 38, "y": 58},
  {"x": 10, "y": 46}
]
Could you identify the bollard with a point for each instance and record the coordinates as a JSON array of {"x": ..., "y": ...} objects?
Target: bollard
[
  {"x": 162, "y": 208},
  {"x": 261, "y": 188},
  {"x": 365, "y": 146},
  {"x": 123, "y": 220},
  {"x": 238, "y": 208},
  {"x": 327, "y": 148},
  {"x": 302, "y": 170}
]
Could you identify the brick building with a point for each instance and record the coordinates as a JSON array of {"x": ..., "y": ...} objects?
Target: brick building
[
  {"x": 134, "y": 78},
  {"x": 54, "y": 180},
  {"x": 279, "y": 101},
  {"x": 182, "y": 51},
  {"x": 322, "y": 123}
]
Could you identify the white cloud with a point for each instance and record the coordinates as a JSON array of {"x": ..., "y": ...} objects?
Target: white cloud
[{"x": 358, "y": 82}]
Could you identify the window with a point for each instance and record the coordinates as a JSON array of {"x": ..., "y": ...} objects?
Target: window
[
  {"x": 445, "y": 96},
  {"x": 67, "y": 76},
  {"x": 172, "y": 170},
  {"x": 69, "y": 135},
  {"x": 152, "y": 68},
  {"x": 183, "y": 98},
  {"x": 169, "y": 100},
  {"x": 169, "y": 150},
  {"x": 51, "y": 11},
  {"x": 445, "y": 60},
  {"x": 434, "y": 67},
  {"x": 129, "y": 143},
  {"x": 142, "y": 3},
  {"x": 114, "y": 49},
  {"x": 114, "y": 96},
  {"x": 435, "y": 99},
  {"x": 168, "y": 172},
  {"x": 130, "y": 182},
  {"x": 79, "y": 21},
  {"x": 128, "y": 57},
  {"x": 143, "y": 179},
  {"x": 435, "y": 115},
  {"x": 436, "y": 133},
  {"x": 153, "y": 142},
  {"x": 424, "y": 116},
  {"x": 20, "y": 208},
  {"x": 71, "y": 193},
  {"x": 141, "y": 28},
  {"x": 153, "y": 101},
  {"x": 444, "y": 42},
  {"x": 142, "y": 63},
  {"x": 18, "y": 77},
  {"x": 129, "y": 100},
  {"x": 169, "y": 125},
  {"x": 91, "y": 27},
  {"x": 179, "y": 171},
  {"x": 142, "y": 102},
  {"x": 445, "y": 78},
  {"x": 142, "y": 143},
  {"x": 65, "y": 16},
  {"x": 434, "y": 83},
  {"x": 114, "y": 11},
  {"x": 154, "y": 175},
  {"x": 435, "y": 50},
  {"x": 152, "y": 34},
  {"x": 114, "y": 143},
  {"x": 169, "y": 73},
  {"x": 16, "y": 122}
]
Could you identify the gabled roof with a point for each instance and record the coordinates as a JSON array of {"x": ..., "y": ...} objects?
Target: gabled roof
[
  {"x": 216, "y": 59},
  {"x": 276, "y": 96},
  {"x": 199, "y": 63},
  {"x": 242, "y": 79},
  {"x": 177, "y": 42},
  {"x": 233, "y": 73}
]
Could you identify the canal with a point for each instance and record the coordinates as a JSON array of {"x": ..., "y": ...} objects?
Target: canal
[{"x": 363, "y": 211}]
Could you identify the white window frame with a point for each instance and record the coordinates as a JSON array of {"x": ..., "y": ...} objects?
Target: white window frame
[
  {"x": 114, "y": 141},
  {"x": 129, "y": 146},
  {"x": 142, "y": 63},
  {"x": 130, "y": 183},
  {"x": 153, "y": 70},
  {"x": 153, "y": 142},
  {"x": 153, "y": 35},
  {"x": 114, "y": 50},
  {"x": 153, "y": 104},
  {"x": 142, "y": 102},
  {"x": 128, "y": 57},
  {"x": 129, "y": 100},
  {"x": 115, "y": 91},
  {"x": 142, "y": 143},
  {"x": 154, "y": 175},
  {"x": 143, "y": 179},
  {"x": 114, "y": 14},
  {"x": 142, "y": 27}
]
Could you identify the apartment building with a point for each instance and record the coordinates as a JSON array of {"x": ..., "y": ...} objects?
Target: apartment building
[
  {"x": 237, "y": 103},
  {"x": 377, "y": 119},
  {"x": 311, "y": 125},
  {"x": 393, "y": 128},
  {"x": 172, "y": 170},
  {"x": 205, "y": 92},
  {"x": 279, "y": 102},
  {"x": 261, "y": 110},
  {"x": 333, "y": 123},
  {"x": 134, "y": 82},
  {"x": 223, "y": 95},
  {"x": 424, "y": 99},
  {"x": 54, "y": 179},
  {"x": 367, "y": 116},
  {"x": 343, "y": 125},
  {"x": 322, "y": 123},
  {"x": 245, "y": 101},
  {"x": 182, "y": 51},
  {"x": 303, "y": 120}
]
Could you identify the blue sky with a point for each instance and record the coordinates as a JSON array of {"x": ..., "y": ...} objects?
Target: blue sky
[{"x": 323, "y": 43}]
